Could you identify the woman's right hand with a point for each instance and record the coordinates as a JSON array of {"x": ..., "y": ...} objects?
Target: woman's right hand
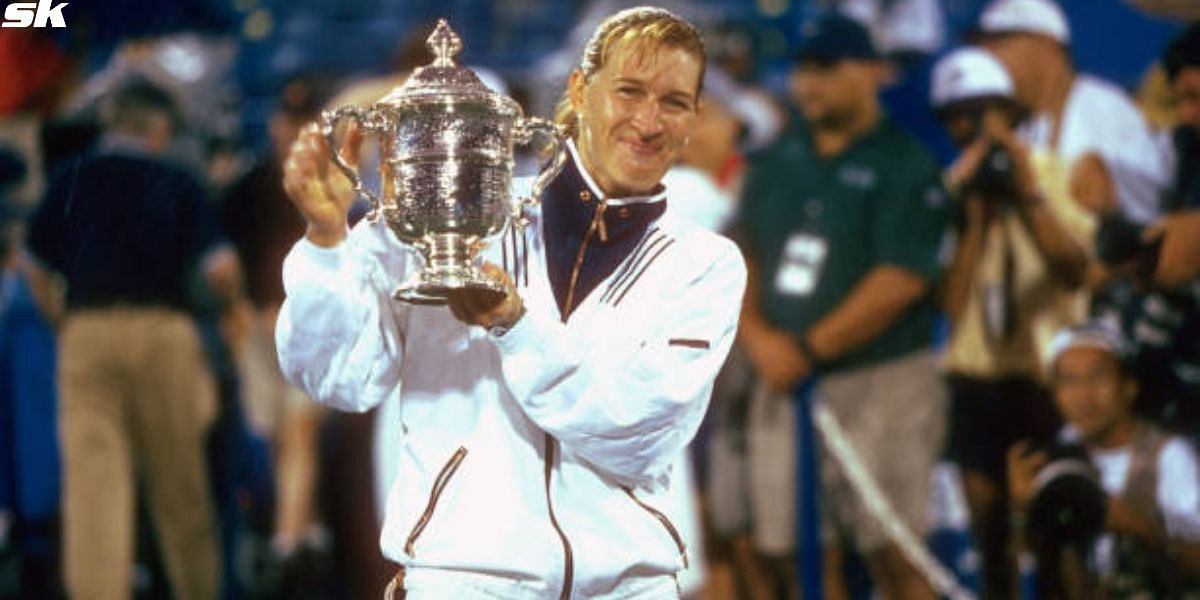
[{"x": 320, "y": 191}]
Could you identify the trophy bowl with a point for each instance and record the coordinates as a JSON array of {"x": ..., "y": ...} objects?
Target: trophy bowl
[{"x": 446, "y": 143}]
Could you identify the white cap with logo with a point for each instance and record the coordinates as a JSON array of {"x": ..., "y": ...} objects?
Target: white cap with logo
[
  {"x": 1043, "y": 17},
  {"x": 968, "y": 73}
]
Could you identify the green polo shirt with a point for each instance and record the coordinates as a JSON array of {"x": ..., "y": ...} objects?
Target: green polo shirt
[{"x": 814, "y": 227}]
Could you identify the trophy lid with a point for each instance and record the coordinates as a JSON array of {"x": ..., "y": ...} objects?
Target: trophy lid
[{"x": 444, "y": 82}]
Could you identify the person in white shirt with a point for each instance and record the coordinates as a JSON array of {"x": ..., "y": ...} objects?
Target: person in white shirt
[
  {"x": 539, "y": 432},
  {"x": 1012, "y": 256},
  {"x": 1088, "y": 129},
  {"x": 1151, "y": 539}
]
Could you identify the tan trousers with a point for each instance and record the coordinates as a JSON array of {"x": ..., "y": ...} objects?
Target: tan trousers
[
  {"x": 137, "y": 399},
  {"x": 894, "y": 415}
]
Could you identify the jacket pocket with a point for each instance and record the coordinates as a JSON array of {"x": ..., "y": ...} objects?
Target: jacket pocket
[
  {"x": 439, "y": 486},
  {"x": 666, "y": 523}
]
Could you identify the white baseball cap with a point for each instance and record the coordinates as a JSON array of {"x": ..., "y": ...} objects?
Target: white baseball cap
[
  {"x": 1044, "y": 17},
  {"x": 1095, "y": 334},
  {"x": 968, "y": 73}
]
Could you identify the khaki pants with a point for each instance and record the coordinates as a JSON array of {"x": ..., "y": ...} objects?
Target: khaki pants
[
  {"x": 137, "y": 399},
  {"x": 894, "y": 415},
  {"x": 771, "y": 470}
]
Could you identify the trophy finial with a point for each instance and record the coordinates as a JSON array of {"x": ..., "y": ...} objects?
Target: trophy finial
[{"x": 444, "y": 44}]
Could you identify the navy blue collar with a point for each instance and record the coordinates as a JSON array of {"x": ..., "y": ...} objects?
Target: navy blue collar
[{"x": 569, "y": 208}]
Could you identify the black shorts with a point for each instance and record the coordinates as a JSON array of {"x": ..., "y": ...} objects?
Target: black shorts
[{"x": 989, "y": 416}]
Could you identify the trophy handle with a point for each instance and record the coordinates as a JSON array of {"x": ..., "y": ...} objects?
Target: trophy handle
[
  {"x": 524, "y": 132},
  {"x": 366, "y": 119}
]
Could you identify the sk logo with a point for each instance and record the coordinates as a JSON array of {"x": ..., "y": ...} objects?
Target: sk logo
[{"x": 34, "y": 14}]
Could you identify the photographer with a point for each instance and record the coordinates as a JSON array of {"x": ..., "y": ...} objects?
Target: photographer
[
  {"x": 1150, "y": 543},
  {"x": 1162, "y": 322},
  {"x": 1154, "y": 291},
  {"x": 1013, "y": 273}
]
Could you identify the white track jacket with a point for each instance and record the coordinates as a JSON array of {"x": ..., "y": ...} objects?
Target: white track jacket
[{"x": 542, "y": 456}]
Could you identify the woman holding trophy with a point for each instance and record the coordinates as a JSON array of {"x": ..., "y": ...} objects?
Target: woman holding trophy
[{"x": 545, "y": 396}]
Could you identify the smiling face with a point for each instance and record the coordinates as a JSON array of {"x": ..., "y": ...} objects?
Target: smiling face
[{"x": 635, "y": 114}]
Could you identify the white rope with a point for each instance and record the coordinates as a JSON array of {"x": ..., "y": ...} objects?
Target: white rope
[{"x": 912, "y": 547}]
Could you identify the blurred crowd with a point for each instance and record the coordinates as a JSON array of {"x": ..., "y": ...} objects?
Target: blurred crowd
[{"x": 981, "y": 262}]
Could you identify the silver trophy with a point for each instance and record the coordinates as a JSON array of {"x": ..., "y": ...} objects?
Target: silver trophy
[{"x": 446, "y": 168}]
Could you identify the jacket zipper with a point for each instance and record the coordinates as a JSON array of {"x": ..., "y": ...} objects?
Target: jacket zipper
[
  {"x": 568, "y": 556},
  {"x": 597, "y": 227},
  {"x": 674, "y": 533},
  {"x": 439, "y": 485}
]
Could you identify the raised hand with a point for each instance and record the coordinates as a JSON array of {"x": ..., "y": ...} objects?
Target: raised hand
[{"x": 319, "y": 190}]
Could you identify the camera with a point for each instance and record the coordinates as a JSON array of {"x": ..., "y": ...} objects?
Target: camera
[
  {"x": 1068, "y": 505},
  {"x": 1119, "y": 241},
  {"x": 996, "y": 177}
]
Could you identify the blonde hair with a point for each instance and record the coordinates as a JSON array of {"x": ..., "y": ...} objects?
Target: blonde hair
[{"x": 649, "y": 28}]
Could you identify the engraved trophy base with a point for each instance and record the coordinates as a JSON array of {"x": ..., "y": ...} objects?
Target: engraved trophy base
[
  {"x": 450, "y": 270},
  {"x": 436, "y": 287}
]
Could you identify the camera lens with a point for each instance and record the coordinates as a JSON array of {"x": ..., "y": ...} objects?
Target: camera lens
[
  {"x": 1068, "y": 503},
  {"x": 996, "y": 177}
]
